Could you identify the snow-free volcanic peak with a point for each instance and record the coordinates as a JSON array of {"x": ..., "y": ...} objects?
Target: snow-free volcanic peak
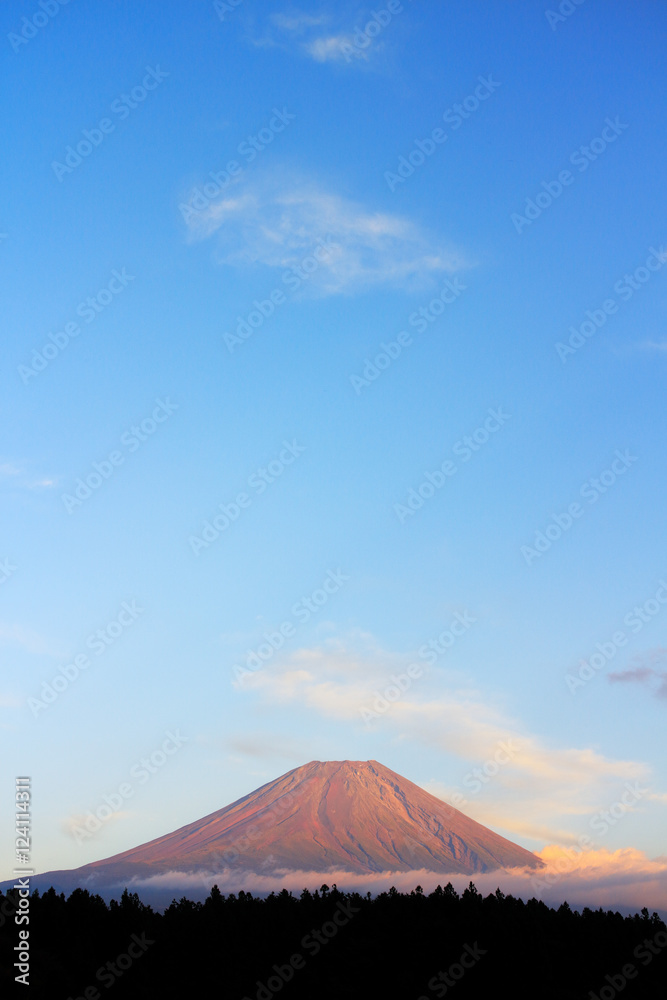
[{"x": 325, "y": 816}]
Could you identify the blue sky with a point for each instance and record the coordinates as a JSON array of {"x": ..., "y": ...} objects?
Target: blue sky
[{"x": 390, "y": 255}]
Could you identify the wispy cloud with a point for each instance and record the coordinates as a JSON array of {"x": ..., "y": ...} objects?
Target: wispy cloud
[
  {"x": 46, "y": 483},
  {"x": 266, "y": 745},
  {"x": 333, "y": 48},
  {"x": 347, "y": 35},
  {"x": 10, "y": 701},
  {"x": 303, "y": 32},
  {"x": 8, "y": 470},
  {"x": 31, "y": 642},
  {"x": 77, "y": 822},
  {"x": 290, "y": 30},
  {"x": 650, "y": 670},
  {"x": 279, "y": 224},
  {"x": 16, "y": 476},
  {"x": 298, "y": 22}
]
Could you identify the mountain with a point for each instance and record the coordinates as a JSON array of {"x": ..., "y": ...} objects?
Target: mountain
[{"x": 351, "y": 816}]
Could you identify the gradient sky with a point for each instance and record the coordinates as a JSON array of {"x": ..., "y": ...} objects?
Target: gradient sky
[{"x": 335, "y": 109}]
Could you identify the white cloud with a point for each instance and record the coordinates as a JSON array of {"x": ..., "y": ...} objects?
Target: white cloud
[
  {"x": 10, "y": 701},
  {"x": 42, "y": 484},
  {"x": 289, "y": 30},
  {"x": 334, "y": 48},
  {"x": 16, "y": 635},
  {"x": 75, "y": 824},
  {"x": 279, "y": 225},
  {"x": 340, "y": 37},
  {"x": 16, "y": 475},
  {"x": 220, "y": 213},
  {"x": 8, "y": 470},
  {"x": 654, "y": 346}
]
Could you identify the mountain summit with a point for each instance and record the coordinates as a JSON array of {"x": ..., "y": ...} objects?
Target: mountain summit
[{"x": 343, "y": 816}]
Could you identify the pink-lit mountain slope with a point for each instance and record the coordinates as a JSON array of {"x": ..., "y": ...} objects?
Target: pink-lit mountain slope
[{"x": 354, "y": 816}]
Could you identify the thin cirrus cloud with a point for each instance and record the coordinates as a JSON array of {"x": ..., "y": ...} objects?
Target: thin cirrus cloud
[
  {"x": 264, "y": 746},
  {"x": 8, "y": 470},
  {"x": 31, "y": 642},
  {"x": 539, "y": 782},
  {"x": 15, "y": 476},
  {"x": 315, "y": 36},
  {"x": 77, "y": 822},
  {"x": 298, "y": 21},
  {"x": 10, "y": 701},
  {"x": 648, "y": 675},
  {"x": 334, "y": 48},
  {"x": 280, "y": 225}
]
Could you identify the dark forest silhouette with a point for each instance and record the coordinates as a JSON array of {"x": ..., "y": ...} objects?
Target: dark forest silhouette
[{"x": 329, "y": 944}]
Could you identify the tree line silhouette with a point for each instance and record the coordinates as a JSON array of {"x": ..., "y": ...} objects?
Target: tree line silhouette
[{"x": 332, "y": 944}]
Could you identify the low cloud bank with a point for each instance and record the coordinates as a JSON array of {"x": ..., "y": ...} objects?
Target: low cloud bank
[{"x": 624, "y": 880}]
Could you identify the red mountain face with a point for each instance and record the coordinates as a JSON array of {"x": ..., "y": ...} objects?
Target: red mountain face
[{"x": 355, "y": 816}]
